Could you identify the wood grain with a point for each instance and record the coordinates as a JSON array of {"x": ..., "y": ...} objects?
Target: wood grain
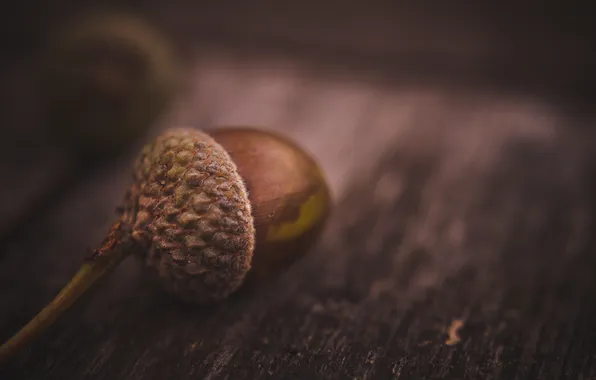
[{"x": 454, "y": 205}]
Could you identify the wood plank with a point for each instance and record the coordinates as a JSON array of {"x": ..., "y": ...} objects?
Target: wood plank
[{"x": 458, "y": 207}]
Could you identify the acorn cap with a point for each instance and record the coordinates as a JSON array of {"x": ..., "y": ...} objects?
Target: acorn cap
[{"x": 191, "y": 216}]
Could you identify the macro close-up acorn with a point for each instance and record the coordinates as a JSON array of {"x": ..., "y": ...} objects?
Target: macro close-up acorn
[
  {"x": 207, "y": 212},
  {"x": 104, "y": 79}
]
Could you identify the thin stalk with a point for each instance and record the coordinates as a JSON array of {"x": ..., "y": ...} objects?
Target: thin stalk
[{"x": 104, "y": 260}]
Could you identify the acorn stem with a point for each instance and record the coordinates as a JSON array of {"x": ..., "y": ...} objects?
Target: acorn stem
[{"x": 114, "y": 249}]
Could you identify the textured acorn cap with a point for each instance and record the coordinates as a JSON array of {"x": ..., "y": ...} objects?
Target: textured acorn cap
[
  {"x": 105, "y": 78},
  {"x": 191, "y": 216}
]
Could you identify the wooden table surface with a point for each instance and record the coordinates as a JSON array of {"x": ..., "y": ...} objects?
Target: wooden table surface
[{"x": 461, "y": 246}]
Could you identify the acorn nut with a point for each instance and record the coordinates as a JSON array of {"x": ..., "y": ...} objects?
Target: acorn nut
[
  {"x": 205, "y": 213},
  {"x": 288, "y": 193}
]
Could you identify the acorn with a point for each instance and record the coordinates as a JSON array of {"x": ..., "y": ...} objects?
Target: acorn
[
  {"x": 104, "y": 79},
  {"x": 205, "y": 213}
]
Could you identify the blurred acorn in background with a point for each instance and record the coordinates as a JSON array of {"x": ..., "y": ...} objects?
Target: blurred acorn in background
[{"x": 105, "y": 79}]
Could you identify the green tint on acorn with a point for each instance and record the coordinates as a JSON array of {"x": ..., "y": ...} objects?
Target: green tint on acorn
[
  {"x": 289, "y": 196},
  {"x": 105, "y": 79}
]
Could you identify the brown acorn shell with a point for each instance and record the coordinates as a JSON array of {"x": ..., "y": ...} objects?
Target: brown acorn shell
[{"x": 289, "y": 196}]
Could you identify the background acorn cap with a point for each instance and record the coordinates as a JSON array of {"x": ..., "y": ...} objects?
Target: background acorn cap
[{"x": 105, "y": 78}]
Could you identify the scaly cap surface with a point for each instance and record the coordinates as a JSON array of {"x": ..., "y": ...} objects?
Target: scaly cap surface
[{"x": 192, "y": 216}]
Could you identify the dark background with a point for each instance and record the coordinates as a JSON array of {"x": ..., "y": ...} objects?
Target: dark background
[
  {"x": 522, "y": 44},
  {"x": 458, "y": 139}
]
